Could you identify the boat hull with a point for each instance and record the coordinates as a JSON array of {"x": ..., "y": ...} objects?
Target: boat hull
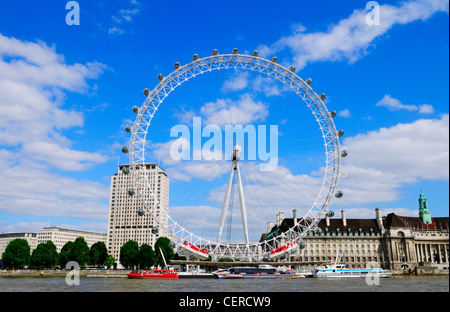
[
  {"x": 259, "y": 276},
  {"x": 152, "y": 275},
  {"x": 351, "y": 274}
]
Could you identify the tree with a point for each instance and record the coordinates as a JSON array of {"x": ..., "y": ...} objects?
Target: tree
[
  {"x": 98, "y": 254},
  {"x": 81, "y": 252},
  {"x": 163, "y": 243},
  {"x": 77, "y": 251},
  {"x": 147, "y": 257},
  {"x": 65, "y": 255},
  {"x": 129, "y": 254},
  {"x": 16, "y": 254},
  {"x": 109, "y": 262},
  {"x": 44, "y": 256}
]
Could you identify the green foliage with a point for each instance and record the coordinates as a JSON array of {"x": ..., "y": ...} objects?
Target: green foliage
[
  {"x": 109, "y": 262},
  {"x": 147, "y": 257},
  {"x": 45, "y": 256},
  {"x": 16, "y": 254},
  {"x": 65, "y": 255},
  {"x": 163, "y": 244},
  {"x": 77, "y": 250},
  {"x": 98, "y": 254},
  {"x": 129, "y": 254}
]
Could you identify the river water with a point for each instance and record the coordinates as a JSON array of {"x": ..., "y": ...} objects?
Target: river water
[{"x": 205, "y": 285}]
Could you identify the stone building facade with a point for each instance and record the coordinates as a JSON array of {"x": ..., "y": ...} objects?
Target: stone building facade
[{"x": 391, "y": 241}]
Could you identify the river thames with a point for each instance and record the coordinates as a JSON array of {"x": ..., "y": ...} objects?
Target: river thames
[{"x": 202, "y": 285}]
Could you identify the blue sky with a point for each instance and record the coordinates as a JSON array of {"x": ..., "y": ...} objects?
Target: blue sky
[{"x": 66, "y": 93}]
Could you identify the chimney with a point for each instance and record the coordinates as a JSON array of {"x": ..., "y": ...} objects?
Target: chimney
[
  {"x": 344, "y": 219},
  {"x": 327, "y": 219},
  {"x": 379, "y": 219},
  {"x": 280, "y": 218},
  {"x": 269, "y": 226},
  {"x": 294, "y": 216}
]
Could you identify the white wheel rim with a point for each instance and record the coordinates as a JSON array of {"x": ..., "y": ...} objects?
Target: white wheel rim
[{"x": 288, "y": 78}]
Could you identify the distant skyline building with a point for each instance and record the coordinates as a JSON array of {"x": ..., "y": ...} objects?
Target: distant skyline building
[
  {"x": 5, "y": 238},
  {"x": 60, "y": 236},
  {"x": 124, "y": 222}
]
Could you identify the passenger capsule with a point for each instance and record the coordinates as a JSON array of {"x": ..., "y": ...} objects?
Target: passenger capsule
[
  {"x": 344, "y": 153},
  {"x": 177, "y": 65},
  {"x": 330, "y": 213},
  {"x": 274, "y": 59},
  {"x": 333, "y": 114},
  {"x": 172, "y": 245},
  {"x": 195, "y": 57},
  {"x": 340, "y": 133},
  {"x": 339, "y": 194},
  {"x": 235, "y": 51},
  {"x": 128, "y": 128},
  {"x": 135, "y": 109},
  {"x": 255, "y": 53},
  {"x": 215, "y": 52},
  {"x": 155, "y": 230},
  {"x": 124, "y": 149},
  {"x": 131, "y": 192},
  {"x": 146, "y": 92},
  {"x": 125, "y": 170},
  {"x": 141, "y": 212},
  {"x": 309, "y": 81},
  {"x": 323, "y": 96},
  {"x": 160, "y": 77},
  {"x": 292, "y": 69},
  {"x": 302, "y": 245}
]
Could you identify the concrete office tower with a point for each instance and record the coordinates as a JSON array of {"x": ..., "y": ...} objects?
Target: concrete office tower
[{"x": 124, "y": 222}]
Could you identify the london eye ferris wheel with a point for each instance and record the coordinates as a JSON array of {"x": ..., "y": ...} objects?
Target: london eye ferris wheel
[{"x": 238, "y": 186}]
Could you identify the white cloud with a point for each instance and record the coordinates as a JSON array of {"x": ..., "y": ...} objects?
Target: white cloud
[
  {"x": 426, "y": 109},
  {"x": 383, "y": 161},
  {"x": 32, "y": 79},
  {"x": 351, "y": 37},
  {"x": 344, "y": 113},
  {"x": 243, "y": 80},
  {"x": 115, "y": 31},
  {"x": 62, "y": 157},
  {"x": 36, "y": 64},
  {"x": 33, "y": 82},
  {"x": 124, "y": 15},
  {"x": 237, "y": 82},
  {"x": 227, "y": 112},
  {"x": 36, "y": 192},
  {"x": 395, "y": 105}
]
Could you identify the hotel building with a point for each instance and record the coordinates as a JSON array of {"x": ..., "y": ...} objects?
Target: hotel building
[{"x": 124, "y": 221}]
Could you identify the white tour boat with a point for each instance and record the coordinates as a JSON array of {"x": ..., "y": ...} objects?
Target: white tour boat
[{"x": 341, "y": 271}]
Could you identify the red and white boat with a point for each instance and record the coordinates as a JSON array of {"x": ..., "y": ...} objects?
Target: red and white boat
[{"x": 155, "y": 273}]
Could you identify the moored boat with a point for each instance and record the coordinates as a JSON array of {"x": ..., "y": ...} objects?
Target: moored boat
[
  {"x": 342, "y": 271},
  {"x": 259, "y": 272},
  {"x": 156, "y": 273}
]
